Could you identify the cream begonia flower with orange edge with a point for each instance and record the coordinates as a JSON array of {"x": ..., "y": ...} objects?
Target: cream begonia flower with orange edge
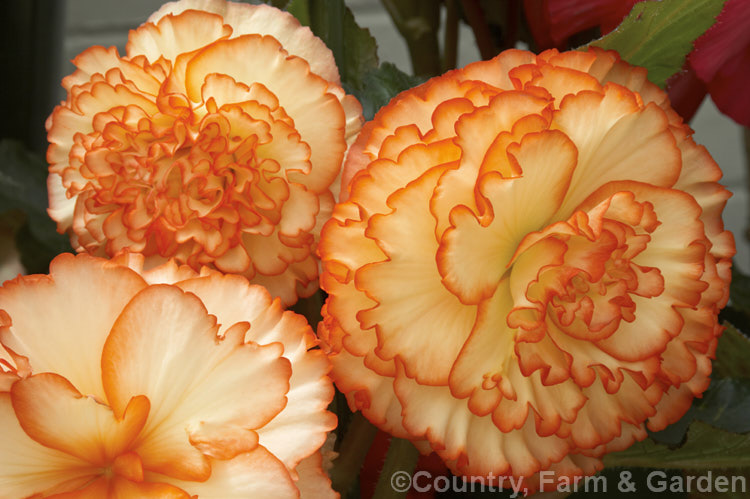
[
  {"x": 214, "y": 140},
  {"x": 166, "y": 383},
  {"x": 527, "y": 268}
]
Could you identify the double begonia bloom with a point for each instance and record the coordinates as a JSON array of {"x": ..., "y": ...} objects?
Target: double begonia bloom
[
  {"x": 214, "y": 141},
  {"x": 527, "y": 268},
  {"x": 167, "y": 384}
]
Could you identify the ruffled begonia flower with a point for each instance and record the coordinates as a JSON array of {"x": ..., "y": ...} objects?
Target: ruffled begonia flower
[
  {"x": 527, "y": 268},
  {"x": 215, "y": 141},
  {"x": 164, "y": 384}
]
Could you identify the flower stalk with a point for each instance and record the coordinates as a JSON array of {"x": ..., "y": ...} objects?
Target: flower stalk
[
  {"x": 354, "y": 447},
  {"x": 402, "y": 457}
]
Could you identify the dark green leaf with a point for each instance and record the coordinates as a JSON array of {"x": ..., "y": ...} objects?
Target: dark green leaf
[
  {"x": 381, "y": 85},
  {"x": 739, "y": 290},
  {"x": 705, "y": 447},
  {"x": 301, "y": 10},
  {"x": 402, "y": 457},
  {"x": 732, "y": 354},
  {"x": 658, "y": 35},
  {"x": 279, "y": 4},
  {"x": 725, "y": 405},
  {"x": 354, "y": 49},
  {"x": 23, "y": 188}
]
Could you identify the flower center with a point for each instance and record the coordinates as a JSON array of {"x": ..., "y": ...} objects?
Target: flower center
[{"x": 587, "y": 286}]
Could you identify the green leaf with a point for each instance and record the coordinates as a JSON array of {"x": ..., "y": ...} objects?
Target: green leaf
[
  {"x": 726, "y": 402},
  {"x": 705, "y": 447},
  {"x": 401, "y": 459},
  {"x": 279, "y": 4},
  {"x": 354, "y": 49},
  {"x": 658, "y": 35},
  {"x": 301, "y": 10},
  {"x": 724, "y": 405},
  {"x": 732, "y": 354},
  {"x": 739, "y": 290},
  {"x": 23, "y": 187},
  {"x": 381, "y": 85}
]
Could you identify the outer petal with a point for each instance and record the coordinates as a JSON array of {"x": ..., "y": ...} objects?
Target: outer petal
[
  {"x": 169, "y": 36},
  {"x": 254, "y": 474},
  {"x": 313, "y": 481},
  {"x": 55, "y": 414},
  {"x": 603, "y": 129},
  {"x": 407, "y": 317},
  {"x": 29, "y": 468},
  {"x": 300, "y": 428},
  {"x": 209, "y": 391},
  {"x": 82, "y": 297},
  {"x": 262, "y": 19}
]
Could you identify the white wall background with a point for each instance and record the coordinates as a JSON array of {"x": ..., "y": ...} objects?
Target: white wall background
[{"x": 106, "y": 22}]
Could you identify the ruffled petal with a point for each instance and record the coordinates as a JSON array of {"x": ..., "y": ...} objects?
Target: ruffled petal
[
  {"x": 318, "y": 116},
  {"x": 246, "y": 19},
  {"x": 527, "y": 265},
  {"x": 539, "y": 189},
  {"x": 206, "y": 391},
  {"x": 313, "y": 481},
  {"x": 175, "y": 151},
  {"x": 29, "y": 468},
  {"x": 300, "y": 428},
  {"x": 407, "y": 317},
  {"x": 68, "y": 337}
]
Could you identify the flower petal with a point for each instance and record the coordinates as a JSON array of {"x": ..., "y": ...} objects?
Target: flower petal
[
  {"x": 407, "y": 317},
  {"x": 313, "y": 482},
  {"x": 300, "y": 428},
  {"x": 252, "y": 474},
  {"x": 246, "y": 19},
  {"x": 171, "y": 35},
  {"x": 29, "y": 468},
  {"x": 317, "y": 115},
  {"x": 55, "y": 414},
  {"x": 474, "y": 254},
  {"x": 68, "y": 337},
  {"x": 617, "y": 140},
  {"x": 206, "y": 379}
]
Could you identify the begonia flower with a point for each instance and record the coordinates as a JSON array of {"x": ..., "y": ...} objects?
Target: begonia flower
[
  {"x": 214, "y": 140},
  {"x": 116, "y": 382},
  {"x": 527, "y": 264}
]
